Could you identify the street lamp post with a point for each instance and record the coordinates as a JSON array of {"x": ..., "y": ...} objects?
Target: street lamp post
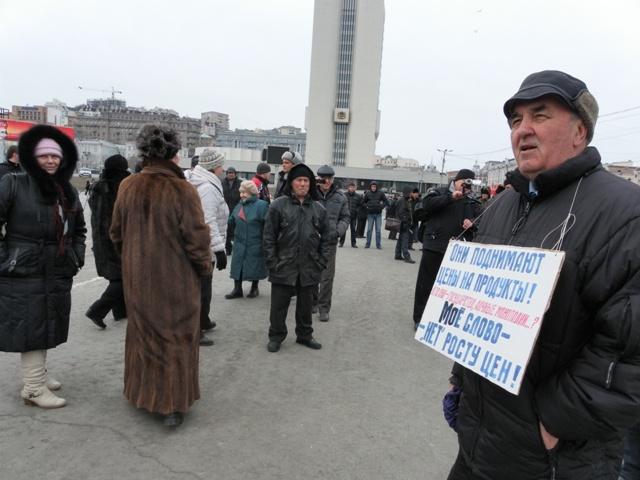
[{"x": 444, "y": 155}]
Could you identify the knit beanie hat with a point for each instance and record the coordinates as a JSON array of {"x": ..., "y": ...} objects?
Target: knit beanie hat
[
  {"x": 263, "y": 167},
  {"x": 464, "y": 174},
  {"x": 116, "y": 162},
  {"x": 210, "y": 159},
  {"x": 47, "y": 146},
  {"x": 293, "y": 157}
]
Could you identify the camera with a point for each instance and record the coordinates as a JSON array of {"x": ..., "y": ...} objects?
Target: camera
[{"x": 467, "y": 184}]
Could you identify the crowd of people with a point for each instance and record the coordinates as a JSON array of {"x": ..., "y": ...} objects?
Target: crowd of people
[{"x": 163, "y": 231}]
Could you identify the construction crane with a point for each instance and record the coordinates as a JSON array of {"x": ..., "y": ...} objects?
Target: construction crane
[{"x": 113, "y": 91}]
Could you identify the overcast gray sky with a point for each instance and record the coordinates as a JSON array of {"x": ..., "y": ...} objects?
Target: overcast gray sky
[{"x": 447, "y": 68}]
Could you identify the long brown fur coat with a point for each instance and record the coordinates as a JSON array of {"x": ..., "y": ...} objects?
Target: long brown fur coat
[{"x": 158, "y": 227}]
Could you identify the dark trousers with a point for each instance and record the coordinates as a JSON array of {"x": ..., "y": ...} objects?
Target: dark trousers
[
  {"x": 429, "y": 266},
  {"x": 205, "y": 301},
  {"x": 631, "y": 464},
  {"x": 362, "y": 222},
  {"x": 280, "y": 300},
  {"x": 402, "y": 244},
  {"x": 324, "y": 291},
  {"x": 112, "y": 299},
  {"x": 228, "y": 246},
  {"x": 353, "y": 226}
]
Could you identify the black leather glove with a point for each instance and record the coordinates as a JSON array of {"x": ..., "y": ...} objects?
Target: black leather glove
[{"x": 221, "y": 260}]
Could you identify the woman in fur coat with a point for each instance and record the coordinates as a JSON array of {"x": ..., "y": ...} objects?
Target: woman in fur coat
[
  {"x": 158, "y": 227},
  {"x": 101, "y": 200},
  {"x": 41, "y": 251}
]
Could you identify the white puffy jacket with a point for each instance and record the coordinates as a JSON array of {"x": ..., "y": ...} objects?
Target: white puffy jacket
[{"x": 216, "y": 212}]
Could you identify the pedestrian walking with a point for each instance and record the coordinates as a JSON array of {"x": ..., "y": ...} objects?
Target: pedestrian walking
[
  {"x": 101, "y": 201},
  {"x": 404, "y": 213},
  {"x": 248, "y": 261},
  {"x": 158, "y": 226},
  {"x": 296, "y": 247},
  {"x": 41, "y": 251}
]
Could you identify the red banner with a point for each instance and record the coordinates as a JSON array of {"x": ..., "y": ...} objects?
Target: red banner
[{"x": 12, "y": 129}]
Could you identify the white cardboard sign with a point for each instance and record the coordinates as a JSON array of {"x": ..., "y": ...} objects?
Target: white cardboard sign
[{"x": 486, "y": 307}]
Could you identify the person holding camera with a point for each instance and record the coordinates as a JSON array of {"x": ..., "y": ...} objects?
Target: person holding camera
[{"x": 445, "y": 213}]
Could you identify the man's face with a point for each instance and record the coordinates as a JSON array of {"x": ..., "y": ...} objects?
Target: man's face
[
  {"x": 458, "y": 185},
  {"x": 286, "y": 165},
  {"x": 325, "y": 185},
  {"x": 14, "y": 158},
  {"x": 414, "y": 195},
  {"x": 374, "y": 187},
  {"x": 231, "y": 175},
  {"x": 300, "y": 186},
  {"x": 544, "y": 134},
  {"x": 351, "y": 188}
]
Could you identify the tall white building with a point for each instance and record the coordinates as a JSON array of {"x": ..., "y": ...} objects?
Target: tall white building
[{"x": 342, "y": 118}]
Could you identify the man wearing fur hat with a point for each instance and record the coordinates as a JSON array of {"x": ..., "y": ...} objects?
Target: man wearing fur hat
[
  {"x": 445, "y": 213},
  {"x": 289, "y": 159},
  {"x": 296, "y": 246},
  {"x": 581, "y": 389},
  {"x": 205, "y": 176}
]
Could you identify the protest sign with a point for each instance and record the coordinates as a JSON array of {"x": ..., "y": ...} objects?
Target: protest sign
[{"x": 486, "y": 307}]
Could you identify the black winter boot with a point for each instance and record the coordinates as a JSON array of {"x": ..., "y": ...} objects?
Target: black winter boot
[
  {"x": 254, "y": 290},
  {"x": 236, "y": 292}
]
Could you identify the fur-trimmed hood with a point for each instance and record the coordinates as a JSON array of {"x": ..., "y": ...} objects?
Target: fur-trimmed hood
[{"x": 26, "y": 149}]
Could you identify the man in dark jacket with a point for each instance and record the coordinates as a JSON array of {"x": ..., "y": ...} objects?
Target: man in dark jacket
[
  {"x": 446, "y": 213},
  {"x": 404, "y": 213},
  {"x": 12, "y": 164},
  {"x": 289, "y": 159},
  {"x": 108, "y": 264},
  {"x": 354, "y": 202},
  {"x": 581, "y": 389},
  {"x": 374, "y": 202},
  {"x": 296, "y": 246},
  {"x": 231, "y": 192},
  {"x": 335, "y": 203},
  {"x": 261, "y": 181}
]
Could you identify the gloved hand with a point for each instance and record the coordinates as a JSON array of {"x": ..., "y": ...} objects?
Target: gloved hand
[
  {"x": 450, "y": 406},
  {"x": 221, "y": 260}
]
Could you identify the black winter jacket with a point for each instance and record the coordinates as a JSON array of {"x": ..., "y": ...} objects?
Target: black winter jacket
[
  {"x": 38, "y": 255},
  {"x": 101, "y": 200},
  {"x": 296, "y": 241},
  {"x": 374, "y": 202},
  {"x": 442, "y": 218},
  {"x": 9, "y": 167},
  {"x": 280, "y": 184},
  {"x": 231, "y": 192},
  {"x": 354, "y": 201},
  {"x": 583, "y": 379},
  {"x": 335, "y": 203}
]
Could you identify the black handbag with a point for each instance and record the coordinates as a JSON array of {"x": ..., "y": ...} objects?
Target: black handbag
[{"x": 392, "y": 224}]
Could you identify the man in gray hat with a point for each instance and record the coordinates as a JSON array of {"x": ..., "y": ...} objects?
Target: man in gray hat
[
  {"x": 289, "y": 159},
  {"x": 335, "y": 203},
  {"x": 581, "y": 387}
]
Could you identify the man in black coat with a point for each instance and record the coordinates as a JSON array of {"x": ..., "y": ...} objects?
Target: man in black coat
[
  {"x": 404, "y": 213},
  {"x": 231, "y": 192},
  {"x": 374, "y": 201},
  {"x": 581, "y": 389},
  {"x": 335, "y": 203},
  {"x": 445, "y": 213},
  {"x": 12, "y": 164},
  {"x": 108, "y": 264},
  {"x": 296, "y": 246},
  {"x": 354, "y": 202}
]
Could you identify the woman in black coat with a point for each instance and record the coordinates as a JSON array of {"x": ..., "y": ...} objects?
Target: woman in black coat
[
  {"x": 101, "y": 200},
  {"x": 41, "y": 251}
]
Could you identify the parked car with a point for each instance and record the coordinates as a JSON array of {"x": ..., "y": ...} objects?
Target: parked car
[{"x": 84, "y": 172}]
